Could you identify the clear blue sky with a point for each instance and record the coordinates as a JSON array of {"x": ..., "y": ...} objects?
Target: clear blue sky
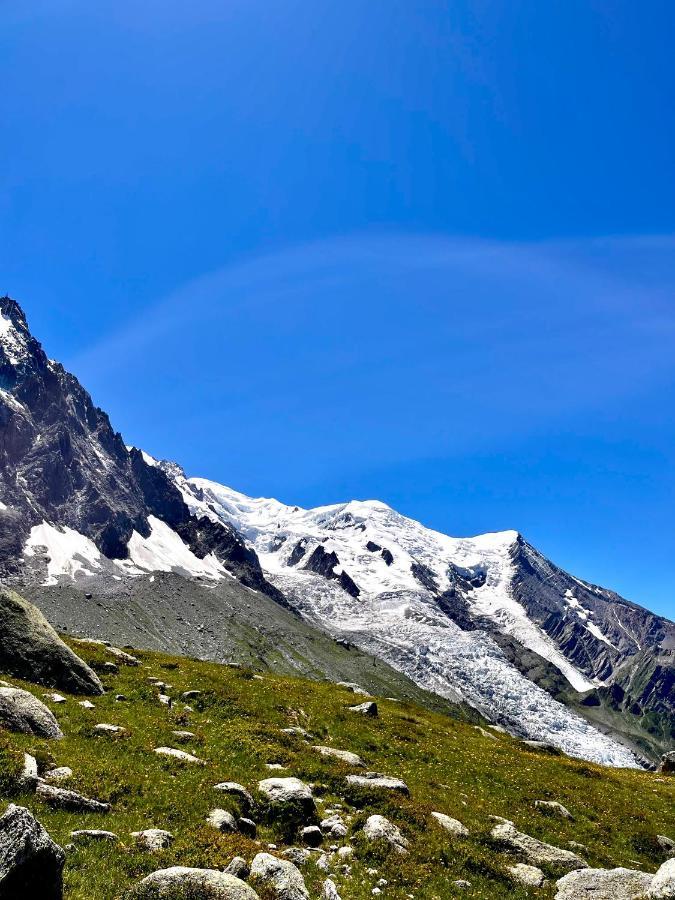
[{"x": 408, "y": 249}]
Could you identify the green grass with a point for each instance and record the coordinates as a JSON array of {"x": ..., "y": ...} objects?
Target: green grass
[{"x": 449, "y": 766}]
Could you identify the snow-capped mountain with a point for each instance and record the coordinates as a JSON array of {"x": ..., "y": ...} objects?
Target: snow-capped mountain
[{"x": 484, "y": 620}]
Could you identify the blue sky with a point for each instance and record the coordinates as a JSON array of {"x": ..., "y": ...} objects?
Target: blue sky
[{"x": 418, "y": 251}]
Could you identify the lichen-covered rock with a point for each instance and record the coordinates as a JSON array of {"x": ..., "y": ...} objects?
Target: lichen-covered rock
[
  {"x": 452, "y": 826},
  {"x": 31, "y": 649},
  {"x": 60, "y": 798},
  {"x": 662, "y": 886},
  {"x": 530, "y": 876},
  {"x": 376, "y": 780},
  {"x": 536, "y": 852},
  {"x": 85, "y": 835},
  {"x": 345, "y": 756},
  {"x": 603, "y": 884},
  {"x": 58, "y": 775},
  {"x": 554, "y": 807},
  {"x": 667, "y": 765},
  {"x": 197, "y": 884},
  {"x": 222, "y": 820},
  {"x": 278, "y": 876},
  {"x": 22, "y": 712},
  {"x": 153, "y": 839},
  {"x": 31, "y": 864},
  {"x": 289, "y": 798},
  {"x": 238, "y": 867},
  {"x": 378, "y": 828}
]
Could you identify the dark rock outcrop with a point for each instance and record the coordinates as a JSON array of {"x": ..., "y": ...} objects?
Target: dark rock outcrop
[{"x": 31, "y": 864}]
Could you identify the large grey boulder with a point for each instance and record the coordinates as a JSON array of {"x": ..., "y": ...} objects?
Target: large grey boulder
[
  {"x": 60, "y": 798},
  {"x": 603, "y": 884},
  {"x": 663, "y": 883},
  {"x": 279, "y": 877},
  {"x": 197, "y": 884},
  {"x": 536, "y": 852},
  {"x": 31, "y": 864},
  {"x": 289, "y": 797},
  {"x": 22, "y": 712},
  {"x": 31, "y": 649},
  {"x": 378, "y": 828},
  {"x": 376, "y": 780}
]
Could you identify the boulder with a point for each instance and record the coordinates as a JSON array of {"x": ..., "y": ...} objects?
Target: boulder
[
  {"x": 530, "y": 876},
  {"x": 665, "y": 843},
  {"x": 222, "y": 820},
  {"x": 247, "y": 827},
  {"x": 377, "y": 828},
  {"x": 369, "y": 708},
  {"x": 238, "y": 791},
  {"x": 667, "y": 764},
  {"x": 452, "y": 826},
  {"x": 535, "y": 851},
  {"x": 662, "y": 886},
  {"x": 279, "y": 877},
  {"x": 350, "y": 759},
  {"x": 183, "y": 737},
  {"x": 603, "y": 884},
  {"x": 298, "y": 856},
  {"x": 329, "y": 891},
  {"x": 382, "y": 782},
  {"x": 554, "y": 807},
  {"x": 312, "y": 836},
  {"x": 289, "y": 795},
  {"x": 238, "y": 867},
  {"x": 87, "y": 835},
  {"x": 58, "y": 775},
  {"x": 22, "y": 712},
  {"x": 334, "y": 826},
  {"x": 28, "y": 780},
  {"x": 60, "y": 798},
  {"x": 31, "y": 649},
  {"x": 197, "y": 884},
  {"x": 152, "y": 839},
  {"x": 31, "y": 864}
]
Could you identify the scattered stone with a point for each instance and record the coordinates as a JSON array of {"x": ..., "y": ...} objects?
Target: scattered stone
[
  {"x": 298, "y": 855},
  {"x": 351, "y": 759},
  {"x": 334, "y": 826},
  {"x": 20, "y": 711},
  {"x": 603, "y": 884},
  {"x": 276, "y": 767},
  {"x": 238, "y": 791},
  {"x": 60, "y": 798},
  {"x": 84, "y": 836},
  {"x": 165, "y": 700},
  {"x": 345, "y": 852},
  {"x": 377, "y": 828},
  {"x": 106, "y": 728},
  {"x": 295, "y": 729},
  {"x": 198, "y": 884},
  {"x": 29, "y": 777},
  {"x": 575, "y": 845},
  {"x": 31, "y": 864},
  {"x": 31, "y": 649},
  {"x": 222, "y": 820},
  {"x": 120, "y": 698},
  {"x": 555, "y": 807},
  {"x": 279, "y": 876},
  {"x": 375, "y": 780},
  {"x": 153, "y": 839},
  {"x": 530, "y": 876},
  {"x": 353, "y": 687},
  {"x": 87, "y": 704},
  {"x": 183, "y": 737},
  {"x": 461, "y": 884},
  {"x": 58, "y": 775},
  {"x": 179, "y": 755},
  {"x": 663, "y": 883},
  {"x": 109, "y": 667},
  {"x": 452, "y": 826},
  {"x": 542, "y": 747},
  {"x": 247, "y": 827},
  {"x": 665, "y": 843},
  {"x": 56, "y": 698},
  {"x": 485, "y": 733},
  {"x": 289, "y": 793},
  {"x": 329, "y": 891},
  {"x": 312, "y": 836},
  {"x": 238, "y": 867},
  {"x": 369, "y": 708},
  {"x": 535, "y": 851},
  {"x": 190, "y": 695}
]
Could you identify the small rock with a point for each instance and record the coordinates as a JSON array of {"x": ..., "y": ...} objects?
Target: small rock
[
  {"x": 378, "y": 828},
  {"x": 56, "y": 698},
  {"x": 86, "y": 704},
  {"x": 198, "y": 884},
  {"x": 222, "y": 820},
  {"x": 20, "y": 711},
  {"x": 247, "y": 827},
  {"x": 60, "y": 798},
  {"x": 190, "y": 695},
  {"x": 329, "y": 891},
  {"x": 31, "y": 864},
  {"x": 238, "y": 791},
  {"x": 153, "y": 839},
  {"x": 662, "y": 886},
  {"x": 179, "y": 755},
  {"x": 120, "y": 698},
  {"x": 238, "y": 867},
  {"x": 665, "y": 843},
  {"x": 555, "y": 807},
  {"x": 312, "y": 836},
  {"x": 452, "y": 826},
  {"x": 351, "y": 759},
  {"x": 106, "y": 728},
  {"x": 542, "y": 747},
  {"x": 461, "y": 884},
  {"x": 345, "y": 852},
  {"x": 603, "y": 884},
  {"x": 297, "y": 855},
  {"x": 530, "y": 876},
  {"x": 375, "y": 780},
  {"x": 279, "y": 876},
  {"x": 536, "y": 851},
  {"x": 84, "y": 836},
  {"x": 57, "y": 776},
  {"x": 334, "y": 826},
  {"x": 295, "y": 729},
  {"x": 289, "y": 792},
  {"x": 353, "y": 687},
  {"x": 183, "y": 736},
  {"x": 28, "y": 779},
  {"x": 276, "y": 767},
  {"x": 369, "y": 708}
]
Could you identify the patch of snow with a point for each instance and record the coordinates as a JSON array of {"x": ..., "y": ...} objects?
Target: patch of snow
[
  {"x": 69, "y": 552},
  {"x": 12, "y": 342},
  {"x": 165, "y": 551}
]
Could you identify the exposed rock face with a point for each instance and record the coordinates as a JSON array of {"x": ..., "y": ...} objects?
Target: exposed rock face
[
  {"x": 31, "y": 649},
  {"x": 198, "y": 884},
  {"x": 603, "y": 884},
  {"x": 22, "y": 712},
  {"x": 31, "y": 864},
  {"x": 662, "y": 886},
  {"x": 279, "y": 876},
  {"x": 378, "y": 828},
  {"x": 535, "y": 851}
]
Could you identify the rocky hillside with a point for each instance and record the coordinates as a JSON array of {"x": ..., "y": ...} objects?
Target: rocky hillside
[{"x": 264, "y": 787}]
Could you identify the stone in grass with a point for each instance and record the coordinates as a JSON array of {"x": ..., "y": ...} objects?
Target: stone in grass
[
  {"x": 536, "y": 852},
  {"x": 183, "y": 737},
  {"x": 345, "y": 756},
  {"x": 31, "y": 864},
  {"x": 222, "y": 820},
  {"x": 58, "y": 775},
  {"x": 152, "y": 839},
  {"x": 238, "y": 867},
  {"x": 376, "y": 780},
  {"x": 238, "y": 791},
  {"x": 312, "y": 836},
  {"x": 288, "y": 795},
  {"x": 56, "y": 698},
  {"x": 87, "y": 704},
  {"x": 21, "y": 712},
  {"x": 107, "y": 728},
  {"x": 329, "y": 890},
  {"x": 87, "y": 835},
  {"x": 190, "y": 695},
  {"x": 279, "y": 877},
  {"x": 297, "y": 730},
  {"x": 554, "y": 807},
  {"x": 667, "y": 764},
  {"x": 603, "y": 884},
  {"x": 665, "y": 843},
  {"x": 542, "y": 747},
  {"x": 197, "y": 884},
  {"x": 59, "y": 798},
  {"x": 299, "y": 856},
  {"x": 179, "y": 755},
  {"x": 334, "y": 826},
  {"x": 28, "y": 779},
  {"x": 378, "y": 828},
  {"x": 663, "y": 883},
  {"x": 530, "y": 876},
  {"x": 452, "y": 826},
  {"x": 247, "y": 827},
  {"x": 369, "y": 708}
]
